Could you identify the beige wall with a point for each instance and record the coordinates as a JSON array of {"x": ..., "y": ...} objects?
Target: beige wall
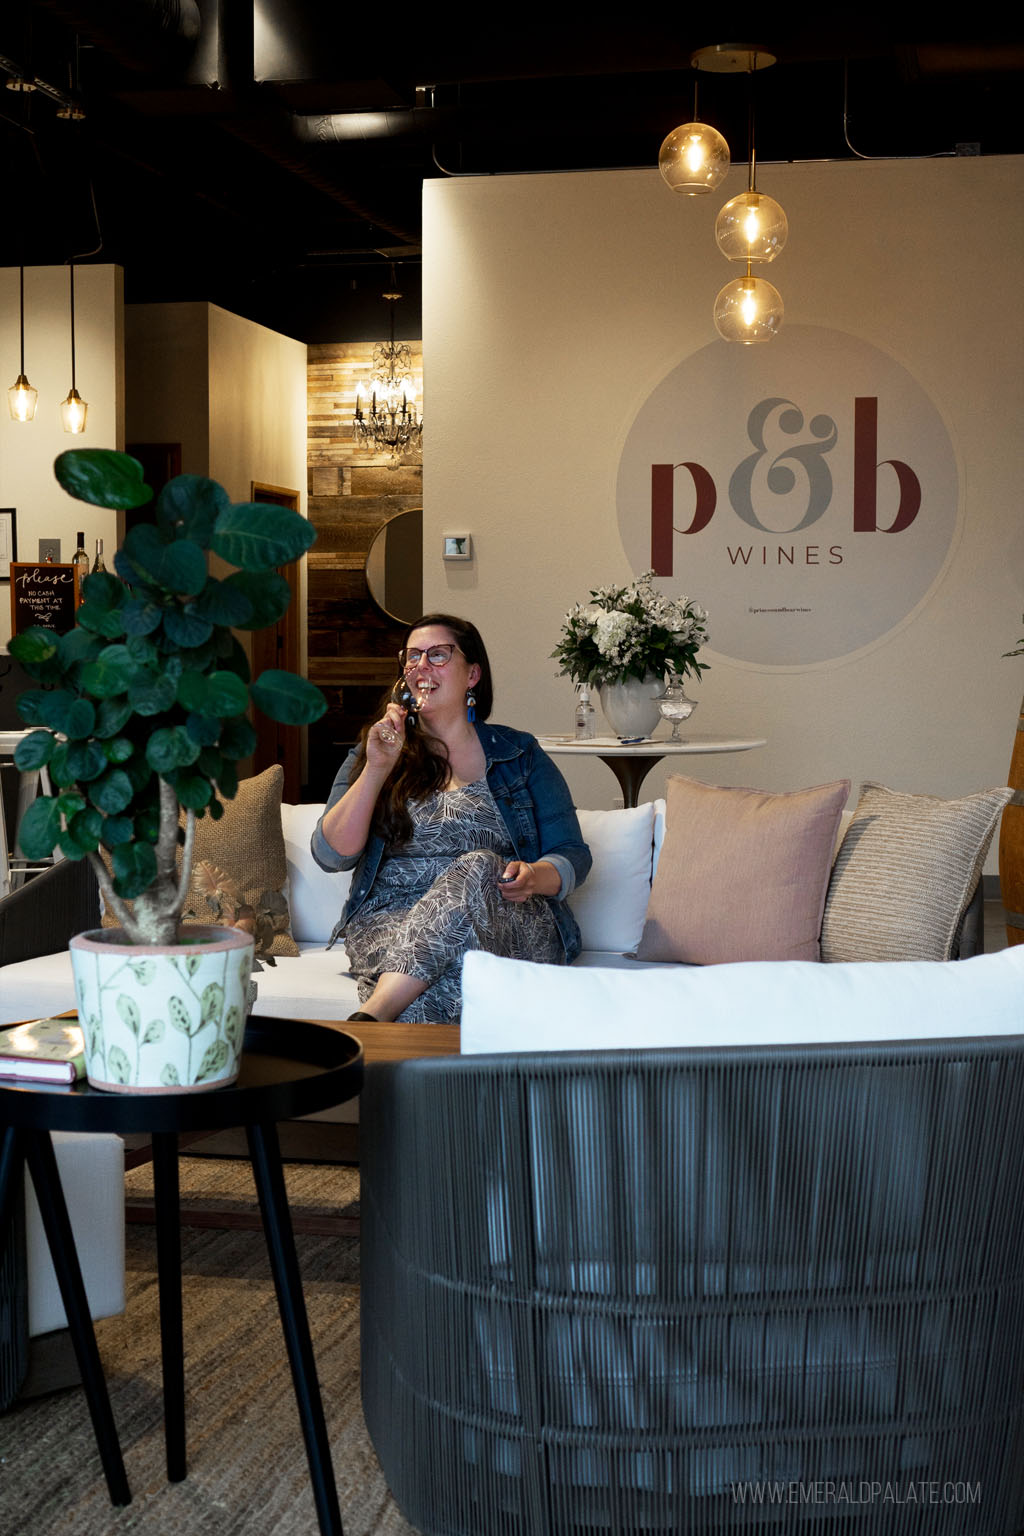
[
  {"x": 553, "y": 305},
  {"x": 28, "y": 449},
  {"x": 168, "y": 379}
]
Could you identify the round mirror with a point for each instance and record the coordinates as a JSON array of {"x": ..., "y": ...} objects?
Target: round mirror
[{"x": 394, "y": 567}]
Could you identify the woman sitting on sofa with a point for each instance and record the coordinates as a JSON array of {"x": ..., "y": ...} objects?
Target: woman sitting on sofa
[{"x": 463, "y": 835}]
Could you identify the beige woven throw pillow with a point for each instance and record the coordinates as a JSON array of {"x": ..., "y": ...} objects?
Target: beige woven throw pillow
[
  {"x": 247, "y": 844},
  {"x": 907, "y": 869}
]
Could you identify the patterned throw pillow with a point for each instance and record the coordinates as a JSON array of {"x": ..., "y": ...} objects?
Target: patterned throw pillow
[{"x": 907, "y": 869}]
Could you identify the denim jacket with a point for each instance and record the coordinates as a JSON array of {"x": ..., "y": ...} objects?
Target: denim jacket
[{"x": 535, "y": 805}]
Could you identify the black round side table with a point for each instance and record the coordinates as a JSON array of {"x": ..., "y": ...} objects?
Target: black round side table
[{"x": 289, "y": 1068}]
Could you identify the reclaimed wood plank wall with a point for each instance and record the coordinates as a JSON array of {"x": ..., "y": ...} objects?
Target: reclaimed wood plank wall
[{"x": 352, "y": 642}]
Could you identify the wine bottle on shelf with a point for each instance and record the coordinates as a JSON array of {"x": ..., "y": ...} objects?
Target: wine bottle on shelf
[
  {"x": 80, "y": 560},
  {"x": 98, "y": 564}
]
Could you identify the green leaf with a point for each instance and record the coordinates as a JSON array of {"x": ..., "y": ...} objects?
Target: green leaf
[
  {"x": 33, "y": 646},
  {"x": 288, "y": 699},
  {"x": 31, "y": 705},
  {"x": 86, "y": 760},
  {"x": 211, "y": 1004},
  {"x": 111, "y": 793},
  {"x": 227, "y": 781},
  {"x": 70, "y": 847},
  {"x": 188, "y": 507},
  {"x": 169, "y": 1076},
  {"x": 119, "y": 750},
  {"x": 103, "y": 590},
  {"x": 225, "y": 602},
  {"x": 101, "y": 621},
  {"x": 60, "y": 772},
  {"x": 142, "y": 651},
  {"x": 111, "y": 716},
  {"x": 54, "y": 710},
  {"x": 110, "y": 674},
  {"x": 134, "y": 868},
  {"x": 117, "y": 829},
  {"x": 144, "y": 971},
  {"x": 35, "y": 751},
  {"x": 154, "y": 1032},
  {"x": 118, "y": 1065},
  {"x": 70, "y": 803},
  {"x": 180, "y": 1019},
  {"x": 257, "y": 536},
  {"x": 178, "y": 567},
  {"x": 87, "y": 829},
  {"x": 226, "y": 695},
  {"x": 169, "y": 748},
  {"x": 103, "y": 478},
  {"x": 204, "y": 729},
  {"x": 78, "y": 645},
  {"x": 214, "y": 1060},
  {"x": 237, "y": 738},
  {"x": 183, "y": 627},
  {"x": 234, "y": 1023},
  {"x": 128, "y": 1008},
  {"x": 152, "y": 692},
  {"x": 80, "y": 720},
  {"x": 141, "y": 616},
  {"x": 268, "y": 595},
  {"x": 211, "y": 762},
  {"x": 192, "y": 790},
  {"x": 39, "y": 828}
]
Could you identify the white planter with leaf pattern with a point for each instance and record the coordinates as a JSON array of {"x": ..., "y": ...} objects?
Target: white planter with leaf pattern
[{"x": 162, "y": 1018}]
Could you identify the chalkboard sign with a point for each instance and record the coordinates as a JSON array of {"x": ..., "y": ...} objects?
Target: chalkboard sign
[{"x": 44, "y": 596}]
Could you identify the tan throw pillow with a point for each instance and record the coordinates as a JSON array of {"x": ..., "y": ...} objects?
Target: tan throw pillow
[
  {"x": 907, "y": 869},
  {"x": 743, "y": 873},
  {"x": 247, "y": 843}
]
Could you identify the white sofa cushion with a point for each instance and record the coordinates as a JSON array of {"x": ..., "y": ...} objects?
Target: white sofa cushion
[
  {"x": 512, "y": 1005},
  {"x": 314, "y": 985},
  {"x": 315, "y": 897},
  {"x": 91, "y": 1172},
  {"x": 611, "y": 903}
]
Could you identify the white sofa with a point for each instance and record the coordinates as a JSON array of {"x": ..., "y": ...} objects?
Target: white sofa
[{"x": 610, "y": 907}]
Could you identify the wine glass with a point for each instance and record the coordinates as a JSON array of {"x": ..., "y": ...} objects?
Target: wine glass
[{"x": 675, "y": 706}]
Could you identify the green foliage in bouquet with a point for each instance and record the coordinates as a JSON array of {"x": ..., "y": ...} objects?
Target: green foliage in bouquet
[{"x": 142, "y": 707}]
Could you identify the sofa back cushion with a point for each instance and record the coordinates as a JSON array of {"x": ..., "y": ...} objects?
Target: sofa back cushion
[
  {"x": 314, "y": 896},
  {"x": 611, "y": 903},
  {"x": 512, "y": 1005},
  {"x": 742, "y": 874}
]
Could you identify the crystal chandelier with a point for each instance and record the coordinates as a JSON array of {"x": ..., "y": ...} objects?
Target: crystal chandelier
[{"x": 386, "y": 420}]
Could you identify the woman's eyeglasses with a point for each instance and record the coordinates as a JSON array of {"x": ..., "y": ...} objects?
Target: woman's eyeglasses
[{"x": 437, "y": 655}]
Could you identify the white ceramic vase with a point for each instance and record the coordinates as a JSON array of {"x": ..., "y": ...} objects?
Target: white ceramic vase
[
  {"x": 631, "y": 708},
  {"x": 162, "y": 1018}
]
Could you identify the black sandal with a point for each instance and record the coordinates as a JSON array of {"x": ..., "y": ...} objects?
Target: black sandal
[{"x": 365, "y": 1018}]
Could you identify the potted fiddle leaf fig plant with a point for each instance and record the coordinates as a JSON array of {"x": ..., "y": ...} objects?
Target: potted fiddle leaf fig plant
[{"x": 140, "y": 718}]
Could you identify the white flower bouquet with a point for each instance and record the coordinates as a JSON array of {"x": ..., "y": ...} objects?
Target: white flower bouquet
[{"x": 631, "y": 631}]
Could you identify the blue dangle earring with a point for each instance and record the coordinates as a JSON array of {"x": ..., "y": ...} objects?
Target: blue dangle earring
[{"x": 470, "y": 705}]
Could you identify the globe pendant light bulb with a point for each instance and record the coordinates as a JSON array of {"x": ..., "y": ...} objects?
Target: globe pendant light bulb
[
  {"x": 748, "y": 310},
  {"x": 751, "y": 227},
  {"x": 694, "y": 159}
]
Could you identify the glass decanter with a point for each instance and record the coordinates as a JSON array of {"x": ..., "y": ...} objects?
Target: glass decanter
[{"x": 675, "y": 706}]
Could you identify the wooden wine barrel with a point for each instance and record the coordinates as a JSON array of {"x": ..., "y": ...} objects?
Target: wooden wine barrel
[{"x": 1011, "y": 844}]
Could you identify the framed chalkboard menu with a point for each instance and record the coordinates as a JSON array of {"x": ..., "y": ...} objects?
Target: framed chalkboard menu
[{"x": 43, "y": 595}]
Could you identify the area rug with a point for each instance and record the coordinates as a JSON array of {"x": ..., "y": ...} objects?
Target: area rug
[{"x": 247, "y": 1470}]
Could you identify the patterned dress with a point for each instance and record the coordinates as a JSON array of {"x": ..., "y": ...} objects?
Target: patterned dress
[{"x": 437, "y": 896}]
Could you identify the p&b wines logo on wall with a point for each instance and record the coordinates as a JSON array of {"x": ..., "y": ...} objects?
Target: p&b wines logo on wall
[{"x": 806, "y": 493}]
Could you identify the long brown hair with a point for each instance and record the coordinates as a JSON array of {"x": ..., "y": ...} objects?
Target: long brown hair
[{"x": 423, "y": 764}]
